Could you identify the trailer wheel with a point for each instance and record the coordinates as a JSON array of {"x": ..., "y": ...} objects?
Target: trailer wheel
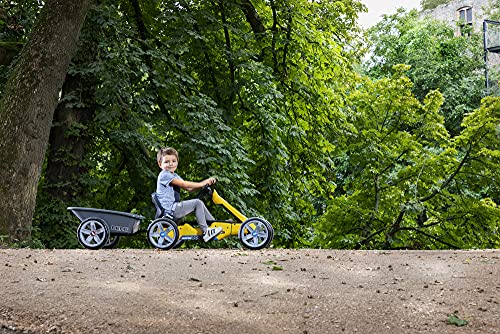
[
  {"x": 93, "y": 233},
  {"x": 255, "y": 233},
  {"x": 163, "y": 233},
  {"x": 112, "y": 241}
]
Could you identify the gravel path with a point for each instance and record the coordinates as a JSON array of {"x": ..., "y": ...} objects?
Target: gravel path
[
  {"x": 10, "y": 331},
  {"x": 238, "y": 291}
]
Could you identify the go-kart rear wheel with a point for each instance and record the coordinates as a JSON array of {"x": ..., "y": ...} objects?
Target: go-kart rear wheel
[
  {"x": 112, "y": 241},
  {"x": 163, "y": 233},
  {"x": 93, "y": 233},
  {"x": 255, "y": 233}
]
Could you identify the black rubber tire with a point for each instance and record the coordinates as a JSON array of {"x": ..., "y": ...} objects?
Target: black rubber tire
[{"x": 271, "y": 229}]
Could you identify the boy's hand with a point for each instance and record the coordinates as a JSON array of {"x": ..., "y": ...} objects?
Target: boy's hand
[{"x": 208, "y": 182}]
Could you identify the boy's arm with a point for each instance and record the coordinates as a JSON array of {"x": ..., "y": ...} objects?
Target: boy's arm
[{"x": 191, "y": 186}]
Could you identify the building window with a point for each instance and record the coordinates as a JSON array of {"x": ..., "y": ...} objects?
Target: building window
[{"x": 465, "y": 20}]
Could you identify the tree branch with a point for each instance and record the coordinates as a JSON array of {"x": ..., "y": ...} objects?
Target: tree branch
[
  {"x": 368, "y": 238},
  {"x": 229, "y": 51},
  {"x": 287, "y": 43},
  {"x": 430, "y": 236},
  {"x": 377, "y": 203},
  {"x": 253, "y": 18},
  {"x": 451, "y": 177},
  {"x": 204, "y": 47}
]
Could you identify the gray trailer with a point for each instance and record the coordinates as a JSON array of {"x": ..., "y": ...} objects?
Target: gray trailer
[{"x": 103, "y": 228}]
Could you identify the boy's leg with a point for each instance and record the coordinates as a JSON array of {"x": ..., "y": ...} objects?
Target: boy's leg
[{"x": 184, "y": 208}]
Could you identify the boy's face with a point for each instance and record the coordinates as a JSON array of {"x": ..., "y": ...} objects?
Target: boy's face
[{"x": 168, "y": 163}]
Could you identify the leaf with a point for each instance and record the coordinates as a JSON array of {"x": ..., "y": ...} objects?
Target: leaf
[
  {"x": 269, "y": 263},
  {"x": 277, "y": 268},
  {"x": 454, "y": 320},
  {"x": 241, "y": 254}
]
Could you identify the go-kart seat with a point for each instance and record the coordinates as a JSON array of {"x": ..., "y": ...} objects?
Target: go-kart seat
[{"x": 160, "y": 211}]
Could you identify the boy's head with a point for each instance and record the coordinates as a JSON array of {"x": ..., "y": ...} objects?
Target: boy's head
[{"x": 167, "y": 158}]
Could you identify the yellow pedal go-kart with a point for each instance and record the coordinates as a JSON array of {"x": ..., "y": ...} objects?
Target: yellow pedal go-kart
[{"x": 166, "y": 233}]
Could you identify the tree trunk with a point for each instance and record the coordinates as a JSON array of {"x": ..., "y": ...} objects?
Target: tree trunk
[
  {"x": 253, "y": 18},
  {"x": 66, "y": 150},
  {"x": 69, "y": 133},
  {"x": 27, "y": 109}
]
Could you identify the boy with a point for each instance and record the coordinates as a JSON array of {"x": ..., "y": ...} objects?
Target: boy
[{"x": 168, "y": 191}]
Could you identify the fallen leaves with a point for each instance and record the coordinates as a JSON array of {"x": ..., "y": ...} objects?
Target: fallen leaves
[
  {"x": 453, "y": 319},
  {"x": 275, "y": 266}
]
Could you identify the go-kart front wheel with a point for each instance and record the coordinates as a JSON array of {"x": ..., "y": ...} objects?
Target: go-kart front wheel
[
  {"x": 163, "y": 233},
  {"x": 255, "y": 233},
  {"x": 93, "y": 233}
]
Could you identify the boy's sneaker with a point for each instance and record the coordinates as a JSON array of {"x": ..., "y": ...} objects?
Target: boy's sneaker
[{"x": 211, "y": 233}]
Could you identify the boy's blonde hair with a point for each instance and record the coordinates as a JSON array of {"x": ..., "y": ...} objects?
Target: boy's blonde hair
[{"x": 166, "y": 151}]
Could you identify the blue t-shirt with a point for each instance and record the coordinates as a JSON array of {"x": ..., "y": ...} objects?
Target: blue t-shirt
[{"x": 167, "y": 194}]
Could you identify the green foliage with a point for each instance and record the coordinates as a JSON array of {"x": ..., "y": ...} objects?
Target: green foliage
[
  {"x": 16, "y": 20},
  {"x": 56, "y": 226},
  {"x": 438, "y": 59},
  {"x": 408, "y": 184},
  {"x": 492, "y": 10}
]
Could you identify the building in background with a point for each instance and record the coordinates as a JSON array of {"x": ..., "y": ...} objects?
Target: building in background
[
  {"x": 467, "y": 16},
  {"x": 462, "y": 14}
]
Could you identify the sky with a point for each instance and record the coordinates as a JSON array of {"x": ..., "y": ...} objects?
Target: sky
[{"x": 376, "y": 8}]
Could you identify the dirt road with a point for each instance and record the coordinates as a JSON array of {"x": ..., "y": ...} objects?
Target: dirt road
[{"x": 235, "y": 291}]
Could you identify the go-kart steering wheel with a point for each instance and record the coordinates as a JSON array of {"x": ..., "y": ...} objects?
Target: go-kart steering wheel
[{"x": 206, "y": 190}]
